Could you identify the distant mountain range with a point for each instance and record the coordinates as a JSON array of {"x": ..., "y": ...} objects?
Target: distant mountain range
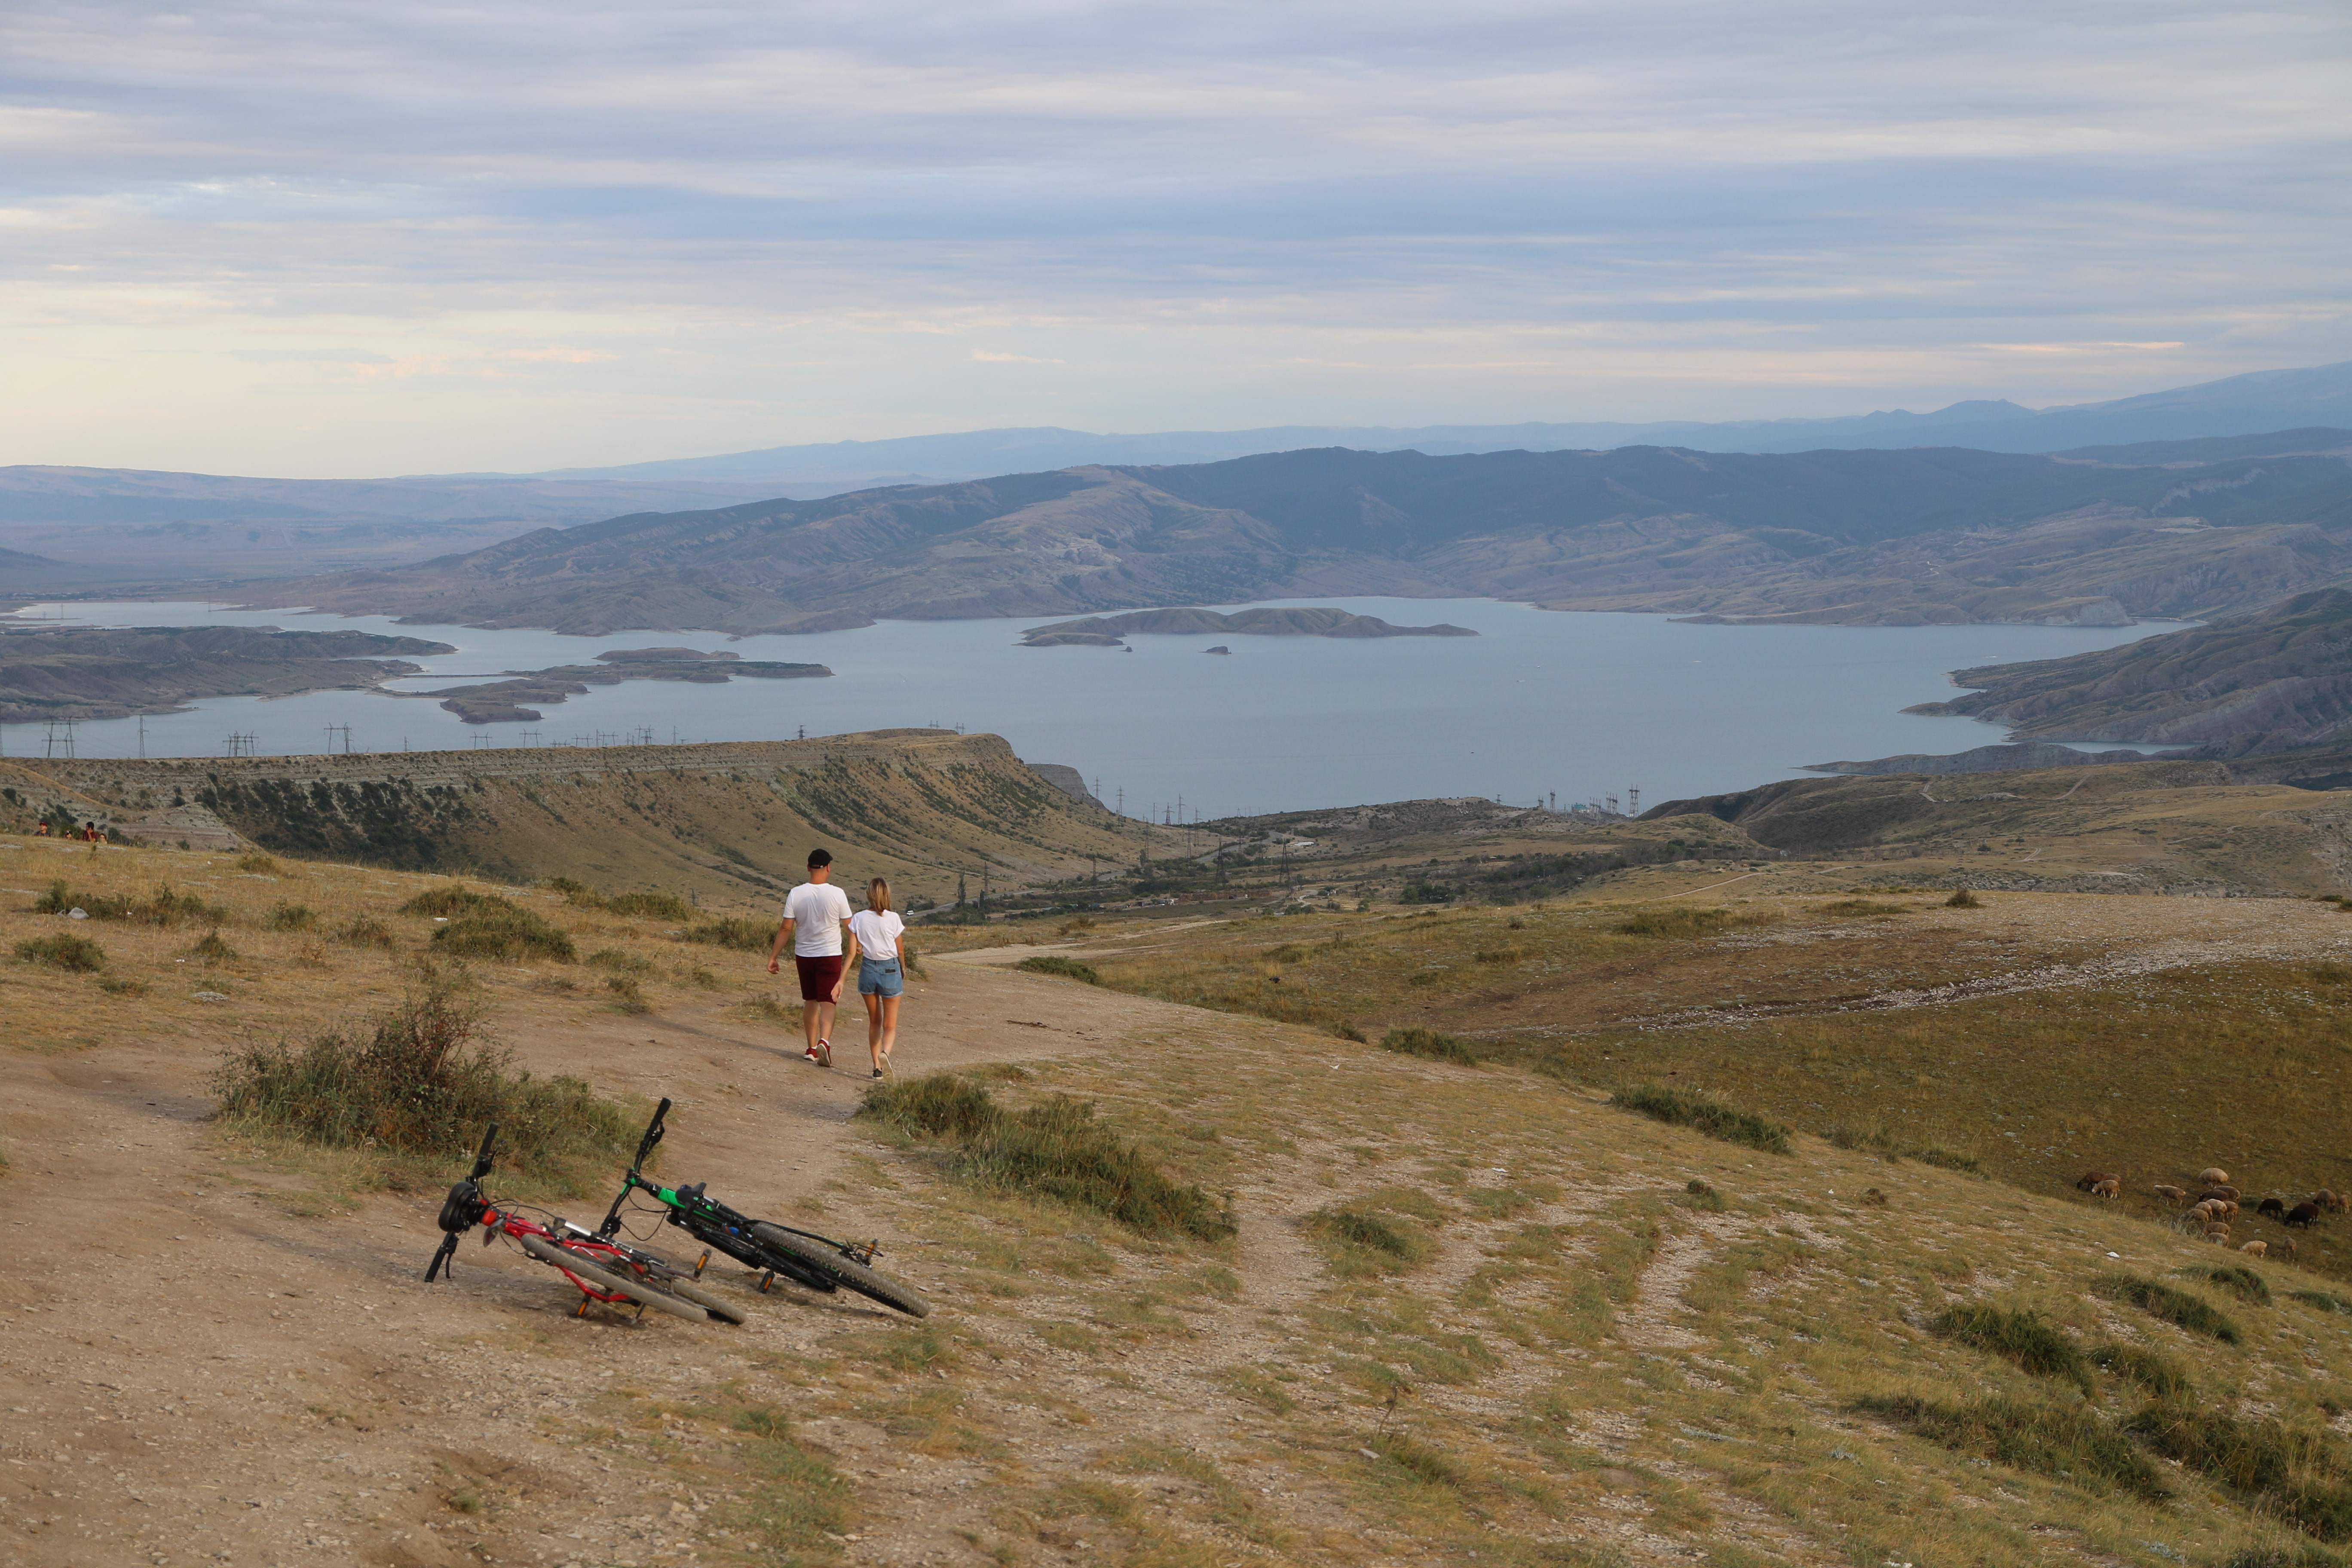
[
  {"x": 1930, "y": 535},
  {"x": 2268, "y": 400}
]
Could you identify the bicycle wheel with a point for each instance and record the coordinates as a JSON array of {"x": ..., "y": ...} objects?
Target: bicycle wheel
[
  {"x": 663, "y": 1274},
  {"x": 619, "y": 1282},
  {"x": 830, "y": 1262},
  {"x": 717, "y": 1306}
]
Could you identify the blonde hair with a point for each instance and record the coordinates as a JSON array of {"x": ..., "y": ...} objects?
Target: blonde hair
[{"x": 877, "y": 896}]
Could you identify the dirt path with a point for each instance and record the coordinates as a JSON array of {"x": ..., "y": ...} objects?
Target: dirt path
[{"x": 193, "y": 1372}]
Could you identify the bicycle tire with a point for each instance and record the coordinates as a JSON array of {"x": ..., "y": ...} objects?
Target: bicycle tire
[
  {"x": 848, "y": 1271},
  {"x": 717, "y": 1306},
  {"x": 666, "y": 1274},
  {"x": 638, "y": 1290}
]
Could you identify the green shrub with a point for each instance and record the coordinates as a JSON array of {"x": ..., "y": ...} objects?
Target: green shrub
[
  {"x": 2021, "y": 1337},
  {"x": 2234, "y": 1277},
  {"x": 2160, "y": 1376},
  {"x": 2072, "y": 1443},
  {"x": 1415, "y": 1042},
  {"x": 733, "y": 930},
  {"x": 450, "y": 902},
  {"x": 1425, "y": 893},
  {"x": 161, "y": 908},
  {"x": 1068, "y": 968},
  {"x": 1055, "y": 1148},
  {"x": 2177, "y": 1307},
  {"x": 260, "y": 864},
  {"x": 500, "y": 929},
  {"x": 365, "y": 930},
  {"x": 1682, "y": 921},
  {"x": 75, "y": 954},
  {"x": 209, "y": 949},
  {"x": 627, "y": 995},
  {"x": 650, "y": 906},
  {"x": 289, "y": 916},
  {"x": 418, "y": 1079},
  {"x": 1964, "y": 900},
  {"x": 1703, "y": 1115},
  {"x": 2324, "y": 1301},
  {"x": 618, "y": 960}
]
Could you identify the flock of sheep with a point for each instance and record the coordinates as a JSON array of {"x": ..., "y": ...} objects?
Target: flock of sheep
[{"x": 2208, "y": 1212}]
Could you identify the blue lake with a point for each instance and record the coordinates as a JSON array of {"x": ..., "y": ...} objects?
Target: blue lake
[{"x": 1539, "y": 704}]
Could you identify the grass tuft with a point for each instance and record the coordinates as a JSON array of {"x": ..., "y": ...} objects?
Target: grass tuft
[
  {"x": 1964, "y": 900},
  {"x": 365, "y": 930},
  {"x": 2023, "y": 1337},
  {"x": 1415, "y": 1042},
  {"x": 1055, "y": 1148},
  {"x": 732, "y": 930},
  {"x": 289, "y": 916},
  {"x": 2069, "y": 1443},
  {"x": 497, "y": 929},
  {"x": 420, "y": 1079},
  {"x": 2236, "y": 1278},
  {"x": 2176, "y": 1307},
  {"x": 1681, "y": 920},
  {"x": 161, "y": 908},
  {"x": 75, "y": 954},
  {"x": 2325, "y": 1300},
  {"x": 1068, "y": 968},
  {"x": 1704, "y": 1115},
  {"x": 2160, "y": 1376},
  {"x": 2300, "y": 1474}
]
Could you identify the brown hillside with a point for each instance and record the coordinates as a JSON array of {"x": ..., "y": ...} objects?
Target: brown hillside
[{"x": 725, "y": 821}]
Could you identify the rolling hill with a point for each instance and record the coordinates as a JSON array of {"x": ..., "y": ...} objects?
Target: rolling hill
[{"x": 1927, "y": 536}]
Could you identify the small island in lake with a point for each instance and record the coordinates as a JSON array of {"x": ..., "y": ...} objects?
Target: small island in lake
[
  {"x": 502, "y": 702},
  {"x": 113, "y": 672},
  {"x": 1107, "y": 631}
]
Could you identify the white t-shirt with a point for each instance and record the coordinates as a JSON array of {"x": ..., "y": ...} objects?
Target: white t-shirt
[
  {"x": 876, "y": 932},
  {"x": 816, "y": 910}
]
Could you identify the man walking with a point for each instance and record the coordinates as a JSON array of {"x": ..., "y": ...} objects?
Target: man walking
[{"x": 815, "y": 914}]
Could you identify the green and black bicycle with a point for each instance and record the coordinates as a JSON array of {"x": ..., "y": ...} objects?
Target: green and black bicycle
[{"x": 768, "y": 1249}]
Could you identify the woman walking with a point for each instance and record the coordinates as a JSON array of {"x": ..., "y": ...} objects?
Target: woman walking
[{"x": 881, "y": 969}]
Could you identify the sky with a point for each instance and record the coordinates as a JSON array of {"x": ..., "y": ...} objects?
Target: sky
[{"x": 342, "y": 237}]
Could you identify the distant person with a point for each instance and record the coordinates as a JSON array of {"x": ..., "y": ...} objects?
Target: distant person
[
  {"x": 41, "y": 828},
  {"x": 815, "y": 914},
  {"x": 875, "y": 932}
]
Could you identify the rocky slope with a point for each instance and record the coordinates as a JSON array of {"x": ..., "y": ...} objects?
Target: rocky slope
[
  {"x": 2275, "y": 681},
  {"x": 729, "y": 822},
  {"x": 1925, "y": 536}
]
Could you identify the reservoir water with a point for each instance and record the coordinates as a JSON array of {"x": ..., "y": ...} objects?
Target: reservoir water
[{"x": 1539, "y": 704}]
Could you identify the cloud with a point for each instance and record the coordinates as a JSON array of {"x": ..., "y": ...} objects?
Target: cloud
[{"x": 755, "y": 224}]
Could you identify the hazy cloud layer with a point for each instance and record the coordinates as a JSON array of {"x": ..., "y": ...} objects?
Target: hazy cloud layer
[{"x": 344, "y": 237}]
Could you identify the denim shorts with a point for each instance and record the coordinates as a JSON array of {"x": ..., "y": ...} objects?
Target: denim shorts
[{"x": 879, "y": 977}]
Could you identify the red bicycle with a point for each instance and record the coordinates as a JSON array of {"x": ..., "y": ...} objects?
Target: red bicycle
[{"x": 604, "y": 1270}]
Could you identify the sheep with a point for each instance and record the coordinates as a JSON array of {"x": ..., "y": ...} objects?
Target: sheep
[
  {"x": 2172, "y": 1195},
  {"x": 2108, "y": 1188},
  {"x": 2272, "y": 1207},
  {"x": 2089, "y": 1180},
  {"x": 2209, "y": 1210},
  {"x": 2219, "y": 1234},
  {"x": 2304, "y": 1215},
  {"x": 2257, "y": 1248},
  {"x": 2212, "y": 1174},
  {"x": 2334, "y": 1203},
  {"x": 2223, "y": 1190},
  {"x": 2287, "y": 1247}
]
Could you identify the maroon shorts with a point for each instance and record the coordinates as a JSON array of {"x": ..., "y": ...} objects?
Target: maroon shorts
[{"x": 819, "y": 977}]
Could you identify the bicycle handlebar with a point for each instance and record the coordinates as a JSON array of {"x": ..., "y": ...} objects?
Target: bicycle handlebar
[
  {"x": 482, "y": 1159},
  {"x": 652, "y": 1134},
  {"x": 462, "y": 1209}
]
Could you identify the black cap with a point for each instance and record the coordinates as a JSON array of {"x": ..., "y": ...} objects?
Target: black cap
[{"x": 820, "y": 858}]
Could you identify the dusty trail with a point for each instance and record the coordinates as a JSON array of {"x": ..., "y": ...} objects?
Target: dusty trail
[{"x": 194, "y": 1373}]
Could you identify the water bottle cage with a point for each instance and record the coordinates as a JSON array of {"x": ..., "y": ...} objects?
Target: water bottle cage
[{"x": 462, "y": 1210}]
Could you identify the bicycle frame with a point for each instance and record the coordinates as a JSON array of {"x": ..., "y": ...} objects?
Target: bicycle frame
[
  {"x": 720, "y": 1228},
  {"x": 467, "y": 1207}
]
